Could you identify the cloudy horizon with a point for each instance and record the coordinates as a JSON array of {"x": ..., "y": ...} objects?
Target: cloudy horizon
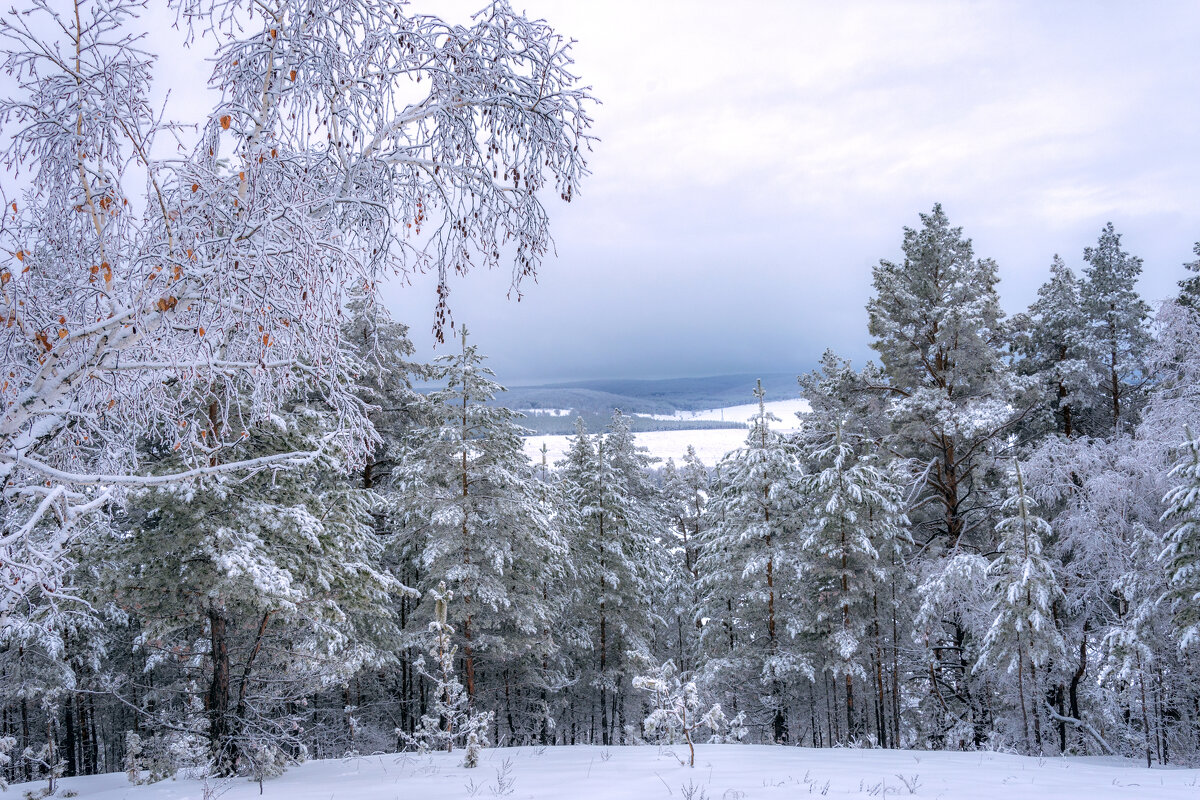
[{"x": 755, "y": 163}]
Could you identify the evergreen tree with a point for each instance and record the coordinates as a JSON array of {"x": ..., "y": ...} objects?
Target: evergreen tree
[
  {"x": 1119, "y": 332},
  {"x": 855, "y": 525},
  {"x": 618, "y": 559},
  {"x": 1182, "y": 552},
  {"x": 1054, "y": 345},
  {"x": 1189, "y": 288},
  {"x": 1023, "y": 638},
  {"x": 938, "y": 330},
  {"x": 473, "y": 517},
  {"x": 685, "y": 493},
  {"x": 749, "y": 553},
  {"x": 254, "y": 595}
]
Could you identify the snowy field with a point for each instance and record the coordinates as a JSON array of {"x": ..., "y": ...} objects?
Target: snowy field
[
  {"x": 710, "y": 445},
  {"x": 722, "y": 772}
]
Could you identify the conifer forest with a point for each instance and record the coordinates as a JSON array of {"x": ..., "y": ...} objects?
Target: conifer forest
[{"x": 244, "y": 525}]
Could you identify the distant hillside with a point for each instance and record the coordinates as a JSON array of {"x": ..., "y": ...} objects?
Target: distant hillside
[
  {"x": 597, "y": 421},
  {"x": 663, "y": 396},
  {"x": 580, "y": 400}
]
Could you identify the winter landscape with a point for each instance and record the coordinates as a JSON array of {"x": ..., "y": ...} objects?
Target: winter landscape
[{"x": 858, "y": 458}]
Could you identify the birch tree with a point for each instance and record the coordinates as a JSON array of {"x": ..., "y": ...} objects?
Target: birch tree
[{"x": 154, "y": 288}]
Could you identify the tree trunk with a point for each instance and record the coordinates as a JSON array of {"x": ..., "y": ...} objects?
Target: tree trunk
[
  {"x": 70, "y": 742},
  {"x": 1077, "y": 677},
  {"x": 603, "y": 679},
  {"x": 220, "y": 735}
]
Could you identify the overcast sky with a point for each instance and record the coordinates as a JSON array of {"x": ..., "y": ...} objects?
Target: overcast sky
[{"x": 756, "y": 159}]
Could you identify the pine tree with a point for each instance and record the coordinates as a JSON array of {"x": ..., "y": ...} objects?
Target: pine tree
[
  {"x": 384, "y": 375},
  {"x": 938, "y": 330},
  {"x": 1182, "y": 552},
  {"x": 854, "y": 527},
  {"x": 685, "y": 493},
  {"x": 472, "y": 516},
  {"x": 1023, "y": 639},
  {"x": 749, "y": 553},
  {"x": 1119, "y": 335},
  {"x": 264, "y": 591},
  {"x": 618, "y": 558},
  {"x": 940, "y": 334},
  {"x": 1189, "y": 288},
  {"x": 1055, "y": 345}
]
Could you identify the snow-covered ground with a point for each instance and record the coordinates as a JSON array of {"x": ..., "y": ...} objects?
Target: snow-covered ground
[
  {"x": 722, "y": 772},
  {"x": 710, "y": 445}
]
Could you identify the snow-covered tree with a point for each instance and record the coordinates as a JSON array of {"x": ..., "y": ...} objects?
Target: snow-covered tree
[
  {"x": 452, "y": 720},
  {"x": 952, "y": 618},
  {"x": 685, "y": 498},
  {"x": 748, "y": 555},
  {"x": 618, "y": 559},
  {"x": 1189, "y": 288},
  {"x": 853, "y": 545},
  {"x": 940, "y": 334},
  {"x": 349, "y": 141},
  {"x": 674, "y": 707},
  {"x": 938, "y": 330},
  {"x": 1023, "y": 638},
  {"x": 473, "y": 518},
  {"x": 1054, "y": 344},
  {"x": 1182, "y": 552},
  {"x": 1119, "y": 332},
  {"x": 853, "y": 528},
  {"x": 253, "y": 595}
]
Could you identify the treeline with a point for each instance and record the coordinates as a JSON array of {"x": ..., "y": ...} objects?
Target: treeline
[{"x": 989, "y": 539}]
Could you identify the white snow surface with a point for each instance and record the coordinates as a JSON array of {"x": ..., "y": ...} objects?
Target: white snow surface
[
  {"x": 710, "y": 445},
  {"x": 746, "y": 772}
]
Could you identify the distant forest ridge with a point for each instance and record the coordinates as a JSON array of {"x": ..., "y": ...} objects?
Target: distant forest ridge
[
  {"x": 653, "y": 396},
  {"x": 595, "y": 400}
]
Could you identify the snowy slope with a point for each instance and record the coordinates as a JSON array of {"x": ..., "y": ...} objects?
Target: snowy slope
[
  {"x": 722, "y": 772},
  {"x": 710, "y": 444}
]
